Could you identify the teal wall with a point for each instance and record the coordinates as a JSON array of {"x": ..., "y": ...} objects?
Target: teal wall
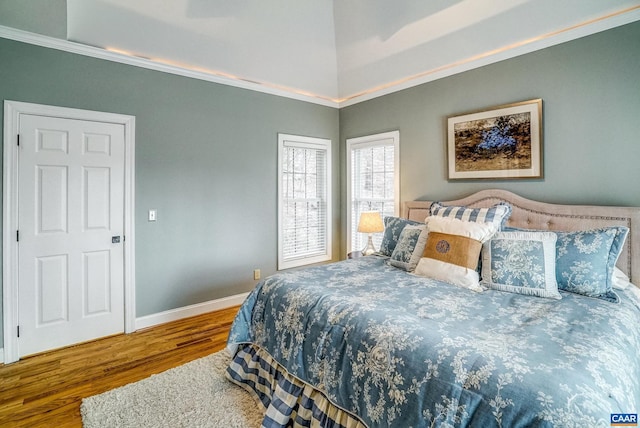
[
  {"x": 205, "y": 159},
  {"x": 48, "y": 17},
  {"x": 206, "y": 153},
  {"x": 591, "y": 94}
]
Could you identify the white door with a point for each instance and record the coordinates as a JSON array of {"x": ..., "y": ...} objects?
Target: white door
[{"x": 70, "y": 231}]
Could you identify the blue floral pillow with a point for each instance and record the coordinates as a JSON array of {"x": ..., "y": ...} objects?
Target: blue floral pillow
[
  {"x": 409, "y": 248},
  {"x": 521, "y": 262},
  {"x": 585, "y": 261},
  {"x": 392, "y": 229},
  {"x": 497, "y": 214}
]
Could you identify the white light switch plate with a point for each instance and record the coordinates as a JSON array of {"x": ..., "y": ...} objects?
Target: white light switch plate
[{"x": 152, "y": 215}]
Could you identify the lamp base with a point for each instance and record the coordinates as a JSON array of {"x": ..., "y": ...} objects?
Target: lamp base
[{"x": 369, "y": 249}]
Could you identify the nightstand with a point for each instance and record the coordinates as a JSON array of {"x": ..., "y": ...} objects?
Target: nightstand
[{"x": 354, "y": 254}]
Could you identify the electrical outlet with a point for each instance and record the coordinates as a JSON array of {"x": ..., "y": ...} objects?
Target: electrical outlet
[{"x": 256, "y": 274}]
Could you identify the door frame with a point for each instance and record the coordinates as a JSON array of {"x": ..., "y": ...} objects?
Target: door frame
[{"x": 12, "y": 112}]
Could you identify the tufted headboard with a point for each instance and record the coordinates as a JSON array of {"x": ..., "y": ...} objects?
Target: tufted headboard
[{"x": 555, "y": 217}]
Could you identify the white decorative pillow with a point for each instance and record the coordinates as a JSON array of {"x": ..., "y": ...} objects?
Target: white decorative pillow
[
  {"x": 521, "y": 262},
  {"x": 409, "y": 249},
  {"x": 452, "y": 251},
  {"x": 620, "y": 280}
]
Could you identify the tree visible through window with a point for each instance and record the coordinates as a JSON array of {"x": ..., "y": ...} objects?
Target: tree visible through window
[
  {"x": 373, "y": 181},
  {"x": 304, "y": 200}
]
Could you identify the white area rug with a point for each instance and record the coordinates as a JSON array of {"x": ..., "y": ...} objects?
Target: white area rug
[{"x": 194, "y": 395}]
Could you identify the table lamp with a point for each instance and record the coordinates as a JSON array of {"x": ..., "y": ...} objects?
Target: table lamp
[{"x": 370, "y": 222}]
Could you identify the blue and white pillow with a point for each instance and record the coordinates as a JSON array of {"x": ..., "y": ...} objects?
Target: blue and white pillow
[
  {"x": 393, "y": 227},
  {"x": 497, "y": 214},
  {"x": 586, "y": 260},
  {"x": 409, "y": 248},
  {"x": 521, "y": 262}
]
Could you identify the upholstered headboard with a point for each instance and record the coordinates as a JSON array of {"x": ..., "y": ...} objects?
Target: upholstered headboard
[{"x": 556, "y": 217}]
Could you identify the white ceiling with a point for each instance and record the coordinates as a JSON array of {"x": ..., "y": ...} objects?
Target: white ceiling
[{"x": 336, "y": 49}]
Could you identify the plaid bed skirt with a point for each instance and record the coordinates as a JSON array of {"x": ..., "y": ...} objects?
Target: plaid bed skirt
[{"x": 287, "y": 401}]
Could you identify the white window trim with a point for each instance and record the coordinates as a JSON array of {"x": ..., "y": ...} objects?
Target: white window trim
[
  {"x": 288, "y": 140},
  {"x": 364, "y": 142}
]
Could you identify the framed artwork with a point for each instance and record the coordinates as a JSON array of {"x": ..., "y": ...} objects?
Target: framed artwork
[{"x": 503, "y": 142}]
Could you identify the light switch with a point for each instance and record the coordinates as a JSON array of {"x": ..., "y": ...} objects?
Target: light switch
[{"x": 152, "y": 215}]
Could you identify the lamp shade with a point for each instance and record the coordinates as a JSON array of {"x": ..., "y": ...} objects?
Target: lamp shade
[{"x": 370, "y": 222}]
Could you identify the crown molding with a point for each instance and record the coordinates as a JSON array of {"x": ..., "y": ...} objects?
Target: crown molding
[
  {"x": 577, "y": 31},
  {"x": 567, "y": 34},
  {"x": 210, "y": 76}
]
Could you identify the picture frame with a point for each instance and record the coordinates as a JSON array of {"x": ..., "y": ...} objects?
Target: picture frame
[{"x": 502, "y": 142}]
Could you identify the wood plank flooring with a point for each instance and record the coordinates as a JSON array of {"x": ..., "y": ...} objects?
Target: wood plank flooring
[{"x": 46, "y": 390}]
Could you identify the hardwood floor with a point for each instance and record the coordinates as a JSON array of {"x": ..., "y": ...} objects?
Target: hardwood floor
[{"x": 45, "y": 390}]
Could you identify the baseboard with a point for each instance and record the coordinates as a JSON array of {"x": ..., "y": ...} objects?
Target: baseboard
[
  {"x": 189, "y": 311},
  {"x": 179, "y": 313}
]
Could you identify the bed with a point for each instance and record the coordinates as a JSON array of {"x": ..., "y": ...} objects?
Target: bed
[{"x": 362, "y": 343}]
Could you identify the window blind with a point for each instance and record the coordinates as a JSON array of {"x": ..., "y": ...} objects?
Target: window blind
[
  {"x": 373, "y": 184},
  {"x": 304, "y": 229}
]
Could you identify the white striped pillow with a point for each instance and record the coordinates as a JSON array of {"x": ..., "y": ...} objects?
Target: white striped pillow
[{"x": 497, "y": 214}]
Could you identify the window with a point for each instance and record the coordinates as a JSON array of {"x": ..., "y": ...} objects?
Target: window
[
  {"x": 304, "y": 200},
  {"x": 374, "y": 185}
]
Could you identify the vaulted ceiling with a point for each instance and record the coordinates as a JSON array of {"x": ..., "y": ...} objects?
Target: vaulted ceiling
[{"x": 339, "y": 51}]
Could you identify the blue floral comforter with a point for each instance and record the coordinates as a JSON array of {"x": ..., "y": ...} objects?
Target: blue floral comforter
[{"x": 401, "y": 350}]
